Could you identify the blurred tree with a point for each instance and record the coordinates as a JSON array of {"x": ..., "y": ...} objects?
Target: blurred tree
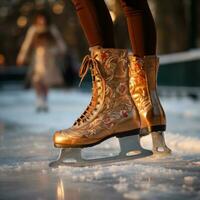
[
  {"x": 194, "y": 25},
  {"x": 176, "y": 21},
  {"x": 172, "y": 25}
]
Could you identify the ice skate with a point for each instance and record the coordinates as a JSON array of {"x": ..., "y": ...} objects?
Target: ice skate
[
  {"x": 111, "y": 112},
  {"x": 130, "y": 149},
  {"x": 143, "y": 89}
]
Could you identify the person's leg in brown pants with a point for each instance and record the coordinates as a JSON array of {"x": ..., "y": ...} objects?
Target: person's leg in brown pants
[
  {"x": 98, "y": 27},
  {"x": 143, "y": 71},
  {"x": 96, "y": 22},
  {"x": 141, "y": 27}
]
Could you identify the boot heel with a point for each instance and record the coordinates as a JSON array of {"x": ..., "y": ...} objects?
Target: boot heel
[
  {"x": 128, "y": 133},
  {"x": 148, "y": 130},
  {"x": 159, "y": 146},
  {"x": 130, "y": 146}
]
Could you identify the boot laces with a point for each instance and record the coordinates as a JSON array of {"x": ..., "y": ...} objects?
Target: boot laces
[{"x": 91, "y": 63}]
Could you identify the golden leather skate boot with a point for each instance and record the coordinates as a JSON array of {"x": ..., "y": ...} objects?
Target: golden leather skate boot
[
  {"x": 143, "y": 89},
  {"x": 111, "y": 111}
]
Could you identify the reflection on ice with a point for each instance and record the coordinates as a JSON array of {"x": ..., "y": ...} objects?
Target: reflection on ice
[{"x": 60, "y": 190}]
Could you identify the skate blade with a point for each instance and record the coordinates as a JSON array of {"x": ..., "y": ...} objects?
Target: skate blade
[
  {"x": 160, "y": 148},
  {"x": 130, "y": 150}
]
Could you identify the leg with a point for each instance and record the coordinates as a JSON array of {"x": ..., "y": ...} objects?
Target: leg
[
  {"x": 45, "y": 90},
  {"x": 143, "y": 71},
  {"x": 41, "y": 92},
  {"x": 141, "y": 26},
  {"x": 96, "y": 22}
]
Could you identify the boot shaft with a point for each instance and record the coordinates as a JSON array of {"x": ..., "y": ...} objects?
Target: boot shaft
[
  {"x": 111, "y": 111},
  {"x": 112, "y": 72},
  {"x": 113, "y": 64},
  {"x": 143, "y": 88},
  {"x": 151, "y": 65},
  {"x": 111, "y": 96}
]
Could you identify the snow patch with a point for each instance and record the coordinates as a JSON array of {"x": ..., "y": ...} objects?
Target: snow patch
[
  {"x": 121, "y": 172},
  {"x": 24, "y": 166},
  {"x": 134, "y": 195},
  {"x": 178, "y": 143},
  {"x": 122, "y": 185},
  {"x": 181, "y": 106}
]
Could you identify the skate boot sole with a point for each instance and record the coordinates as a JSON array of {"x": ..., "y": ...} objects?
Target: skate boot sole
[{"x": 118, "y": 135}]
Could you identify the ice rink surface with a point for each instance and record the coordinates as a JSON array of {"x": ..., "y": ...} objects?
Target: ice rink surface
[{"x": 26, "y": 149}]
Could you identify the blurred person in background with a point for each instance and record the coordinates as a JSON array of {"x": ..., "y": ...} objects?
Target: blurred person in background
[{"x": 41, "y": 47}]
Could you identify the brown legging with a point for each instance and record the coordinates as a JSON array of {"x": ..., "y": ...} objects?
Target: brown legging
[{"x": 98, "y": 27}]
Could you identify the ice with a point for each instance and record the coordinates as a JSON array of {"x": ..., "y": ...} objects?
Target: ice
[
  {"x": 26, "y": 149},
  {"x": 22, "y": 109},
  {"x": 122, "y": 185}
]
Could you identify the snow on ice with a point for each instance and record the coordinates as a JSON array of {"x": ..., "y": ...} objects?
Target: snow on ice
[{"x": 26, "y": 149}]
